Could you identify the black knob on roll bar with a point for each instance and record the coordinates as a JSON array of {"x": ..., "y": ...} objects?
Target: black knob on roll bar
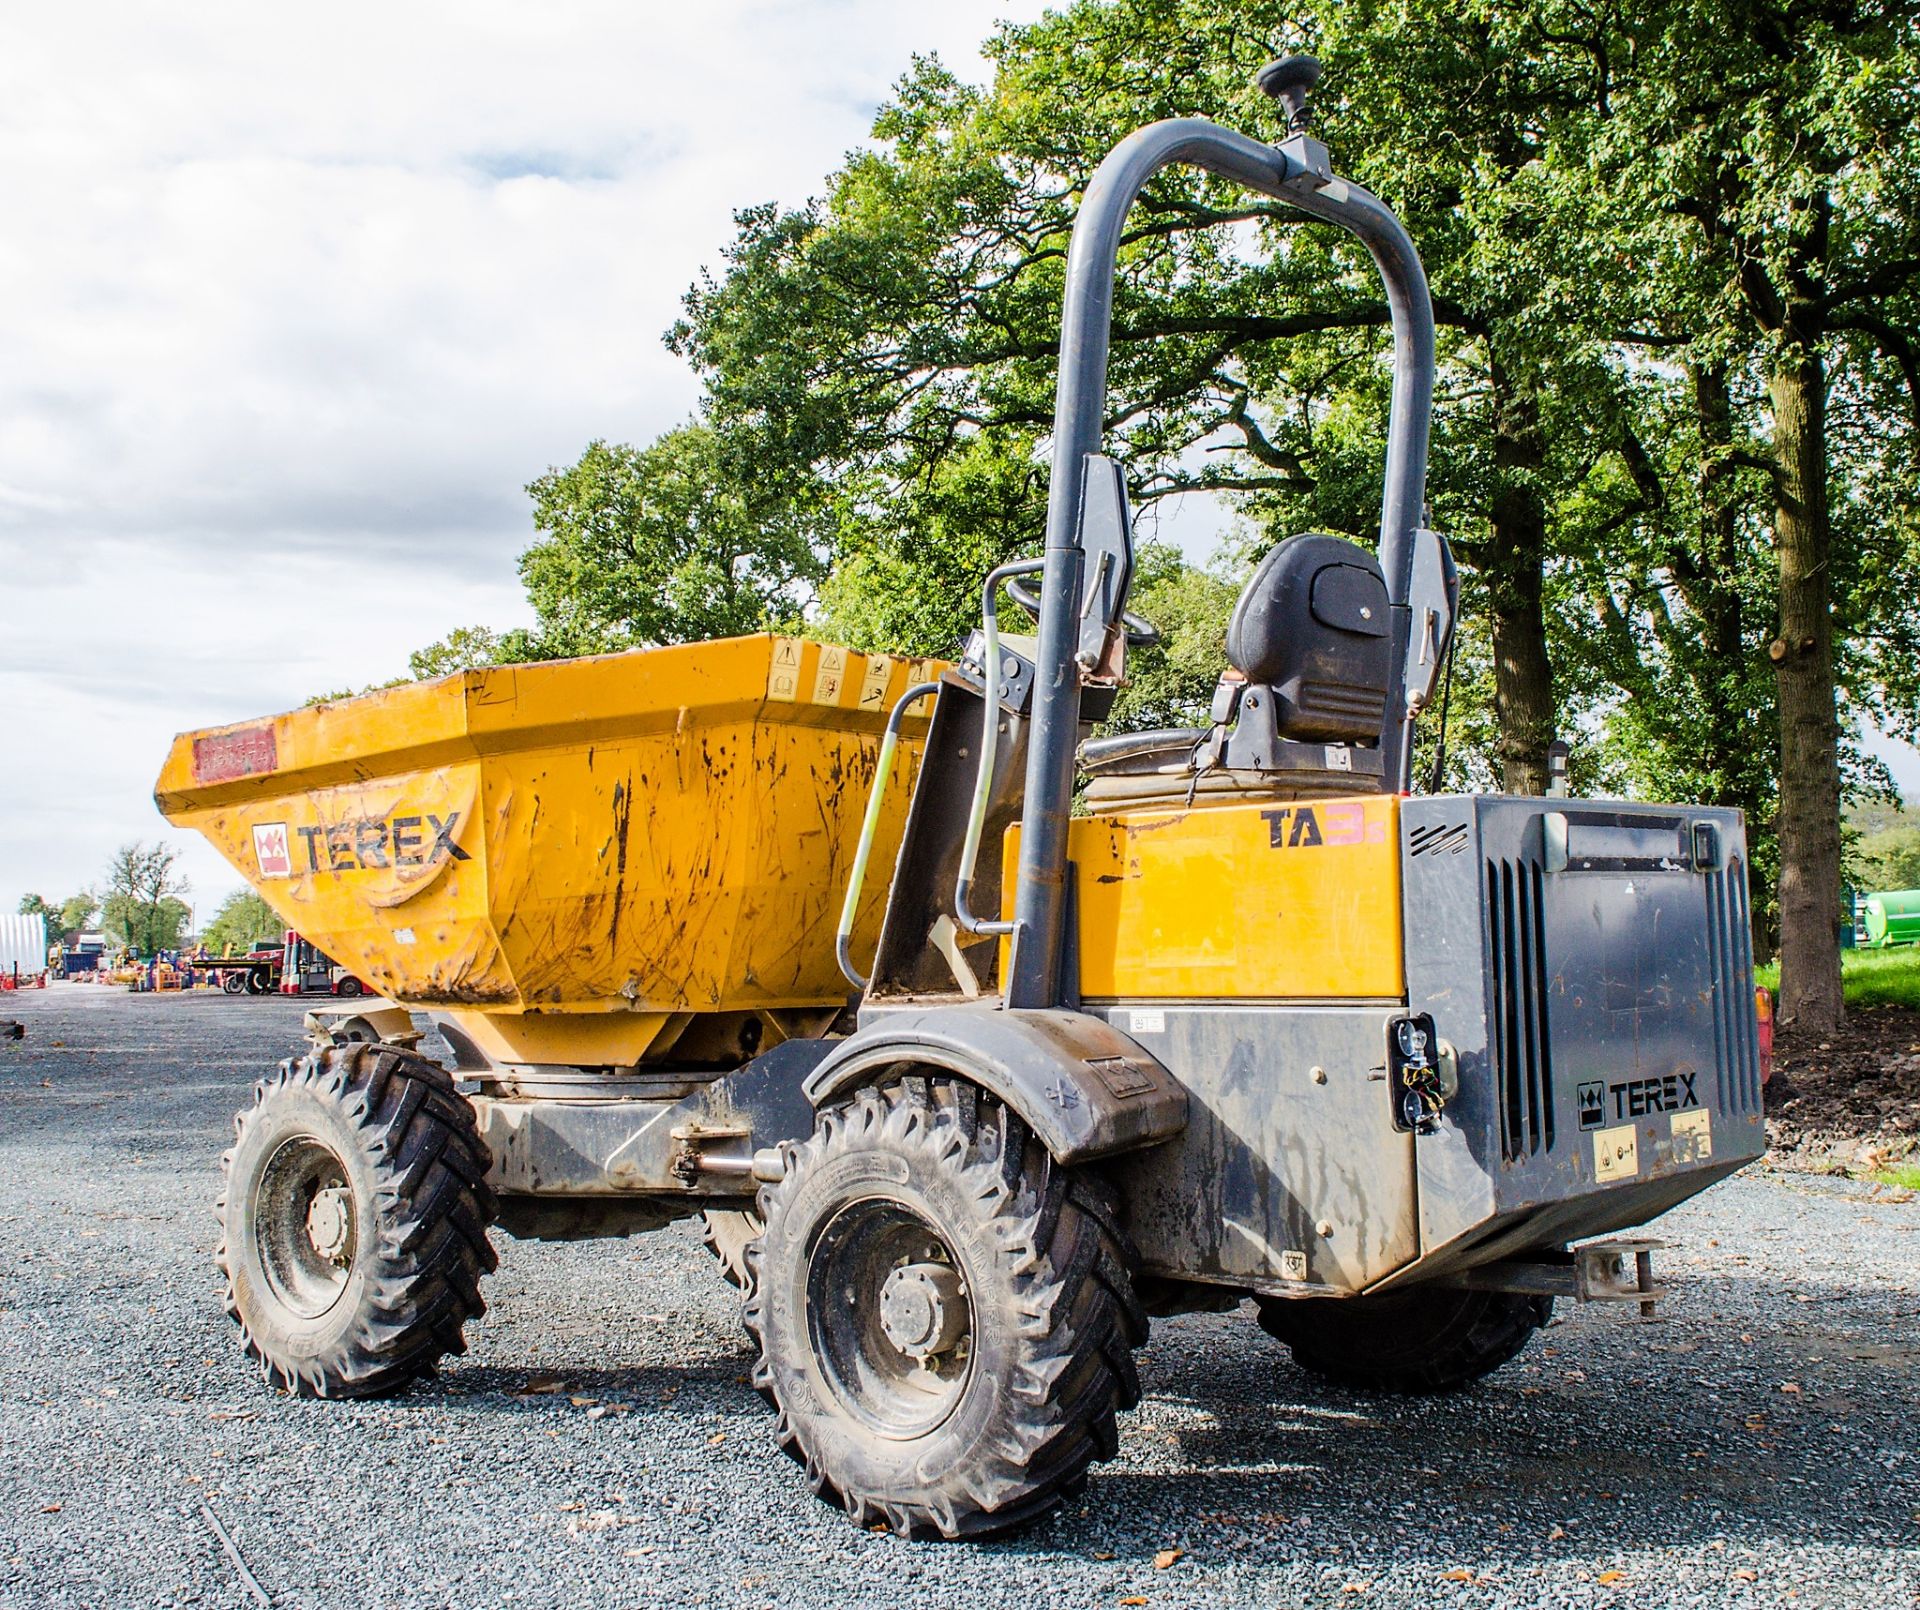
[{"x": 1287, "y": 81}]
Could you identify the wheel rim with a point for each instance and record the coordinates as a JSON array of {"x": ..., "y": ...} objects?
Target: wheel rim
[
  {"x": 305, "y": 1225},
  {"x": 890, "y": 1317}
]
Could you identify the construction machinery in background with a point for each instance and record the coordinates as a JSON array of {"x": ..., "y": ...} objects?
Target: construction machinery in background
[
  {"x": 1892, "y": 918},
  {"x": 1256, "y": 1021}
]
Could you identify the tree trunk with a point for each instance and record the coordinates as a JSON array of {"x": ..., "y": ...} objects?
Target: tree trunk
[
  {"x": 1810, "y": 995},
  {"x": 1730, "y": 721},
  {"x": 1516, "y": 553}
]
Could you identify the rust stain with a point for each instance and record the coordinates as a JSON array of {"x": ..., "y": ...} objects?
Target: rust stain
[{"x": 622, "y": 822}]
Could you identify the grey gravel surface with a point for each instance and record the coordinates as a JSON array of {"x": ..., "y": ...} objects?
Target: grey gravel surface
[{"x": 1759, "y": 1446}]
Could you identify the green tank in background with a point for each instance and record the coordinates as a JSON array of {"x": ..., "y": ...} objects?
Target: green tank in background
[{"x": 1893, "y": 919}]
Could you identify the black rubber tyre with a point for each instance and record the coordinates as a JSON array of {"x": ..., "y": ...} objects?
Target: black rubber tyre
[
  {"x": 1424, "y": 1339},
  {"x": 727, "y": 1235},
  {"x": 349, "y": 989},
  {"x": 233, "y": 983},
  {"x": 257, "y": 984},
  {"x": 354, "y": 1221},
  {"x": 1007, "y": 1389}
]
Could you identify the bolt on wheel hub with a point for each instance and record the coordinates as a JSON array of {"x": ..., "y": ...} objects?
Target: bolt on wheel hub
[
  {"x": 923, "y": 1309},
  {"x": 330, "y": 1224}
]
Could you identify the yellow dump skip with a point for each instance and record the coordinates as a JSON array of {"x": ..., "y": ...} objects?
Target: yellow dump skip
[
  {"x": 1295, "y": 901},
  {"x": 652, "y": 834}
]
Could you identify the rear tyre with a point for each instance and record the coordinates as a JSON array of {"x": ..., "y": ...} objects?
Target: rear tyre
[
  {"x": 1424, "y": 1339},
  {"x": 349, "y": 989},
  {"x": 256, "y": 984},
  {"x": 354, "y": 1222},
  {"x": 234, "y": 983},
  {"x": 945, "y": 1317},
  {"x": 727, "y": 1236}
]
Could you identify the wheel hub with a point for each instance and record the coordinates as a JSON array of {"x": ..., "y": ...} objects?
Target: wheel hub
[
  {"x": 923, "y": 1309},
  {"x": 330, "y": 1224}
]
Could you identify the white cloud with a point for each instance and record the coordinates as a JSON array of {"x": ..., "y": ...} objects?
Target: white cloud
[{"x": 293, "y": 305}]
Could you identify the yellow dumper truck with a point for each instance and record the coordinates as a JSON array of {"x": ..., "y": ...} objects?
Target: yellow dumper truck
[{"x": 1251, "y": 1019}]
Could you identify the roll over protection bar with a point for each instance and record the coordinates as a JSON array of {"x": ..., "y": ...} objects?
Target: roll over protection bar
[{"x": 1300, "y": 173}]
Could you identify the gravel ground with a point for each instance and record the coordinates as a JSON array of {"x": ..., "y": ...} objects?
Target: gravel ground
[{"x": 600, "y": 1445}]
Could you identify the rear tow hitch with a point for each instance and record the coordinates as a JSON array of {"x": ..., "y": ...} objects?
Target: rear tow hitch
[{"x": 1600, "y": 1271}]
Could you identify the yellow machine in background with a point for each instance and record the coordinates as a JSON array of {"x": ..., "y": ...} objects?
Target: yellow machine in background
[{"x": 591, "y": 862}]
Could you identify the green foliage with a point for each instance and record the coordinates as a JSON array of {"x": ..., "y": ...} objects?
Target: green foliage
[
  {"x": 1172, "y": 683},
  {"x": 69, "y": 917},
  {"x": 1887, "y": 860},
  {"x": 142, "y": 908},
  {"x": 242, "y": 921},
  {"x": 77, "y": 911},
  {"x": 467, "y": 648},
  {"x": 669, "y": 543}
]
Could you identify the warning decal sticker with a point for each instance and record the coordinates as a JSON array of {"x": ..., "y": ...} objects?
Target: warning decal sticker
[
  {"x": 873, "y": 686},
  {"x": 831, "y": 677},
  {"x": 783, "y": 675},
  {"x": 1616, "y": 1153}
]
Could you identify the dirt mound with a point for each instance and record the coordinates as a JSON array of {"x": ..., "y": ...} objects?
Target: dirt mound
[{"x": 1848, "y": 1100}]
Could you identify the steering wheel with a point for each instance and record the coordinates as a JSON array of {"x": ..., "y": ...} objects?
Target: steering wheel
[{"x": 1141, "y": 632}]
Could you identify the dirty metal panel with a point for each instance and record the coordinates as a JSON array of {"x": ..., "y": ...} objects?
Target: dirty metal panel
[
  {"x": 642, "y": 835},
  {"x": 574, "y": 1147},
  {"x": 1295, "y": 900},
  {"x": 1284, "y": 1179},
  {"x": 1590, "y": 963}
]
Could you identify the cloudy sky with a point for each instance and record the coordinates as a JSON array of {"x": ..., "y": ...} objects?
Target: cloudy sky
[
  {"x": 294, "y": 303},
  {"x": 293, "y": 306}
]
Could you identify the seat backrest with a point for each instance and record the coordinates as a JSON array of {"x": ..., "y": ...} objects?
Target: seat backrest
[{"x": 1312, "y": 625}]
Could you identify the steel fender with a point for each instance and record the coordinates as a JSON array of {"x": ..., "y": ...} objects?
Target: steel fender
[
  {"x": 1082, "y": 1086},
  {"x": 388, "y": 1021}
]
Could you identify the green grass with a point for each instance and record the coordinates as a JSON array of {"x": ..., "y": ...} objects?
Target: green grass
[
  {"x": 1870, "y": 977},
  {"x": 1904, "y": 1177}
]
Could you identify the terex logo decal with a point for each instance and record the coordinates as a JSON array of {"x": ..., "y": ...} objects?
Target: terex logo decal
[
  {"x": 1308, "y": 827},
  {"x": 1635, "y": 1098},
  {"x": 1593, "y": 1104},
  {"x": 270, "y": 850},
  {"x": 379, "y": 842}
]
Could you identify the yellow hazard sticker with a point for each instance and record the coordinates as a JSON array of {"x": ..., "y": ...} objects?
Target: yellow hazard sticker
[
  {"x": 873, "y": 686},
  {"x": 1616, "y": 1153},
  {"x": 783, "y": 675},
  {"x": 1692, "y": 1136},
  {"x": 831, "y": 676}
]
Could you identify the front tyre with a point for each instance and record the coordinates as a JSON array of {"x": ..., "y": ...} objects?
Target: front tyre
[
  {"x": 1420, "y": 1340},
  {"x": 945, "y": 1317},
  {"x": 354, "y": 1221}
]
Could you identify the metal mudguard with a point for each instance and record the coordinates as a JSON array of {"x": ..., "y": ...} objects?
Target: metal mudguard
[{"x": 1085, "y": 1089}]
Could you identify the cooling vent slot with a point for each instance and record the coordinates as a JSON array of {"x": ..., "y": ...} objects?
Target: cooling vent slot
[
  {"x": 1516, "y": 928},
  {"x": 1441, "y": 838},
  {"x": 1736, "y": 1049}
]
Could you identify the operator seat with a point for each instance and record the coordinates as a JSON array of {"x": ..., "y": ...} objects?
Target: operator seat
[{"x": 1300, "y": 713}]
